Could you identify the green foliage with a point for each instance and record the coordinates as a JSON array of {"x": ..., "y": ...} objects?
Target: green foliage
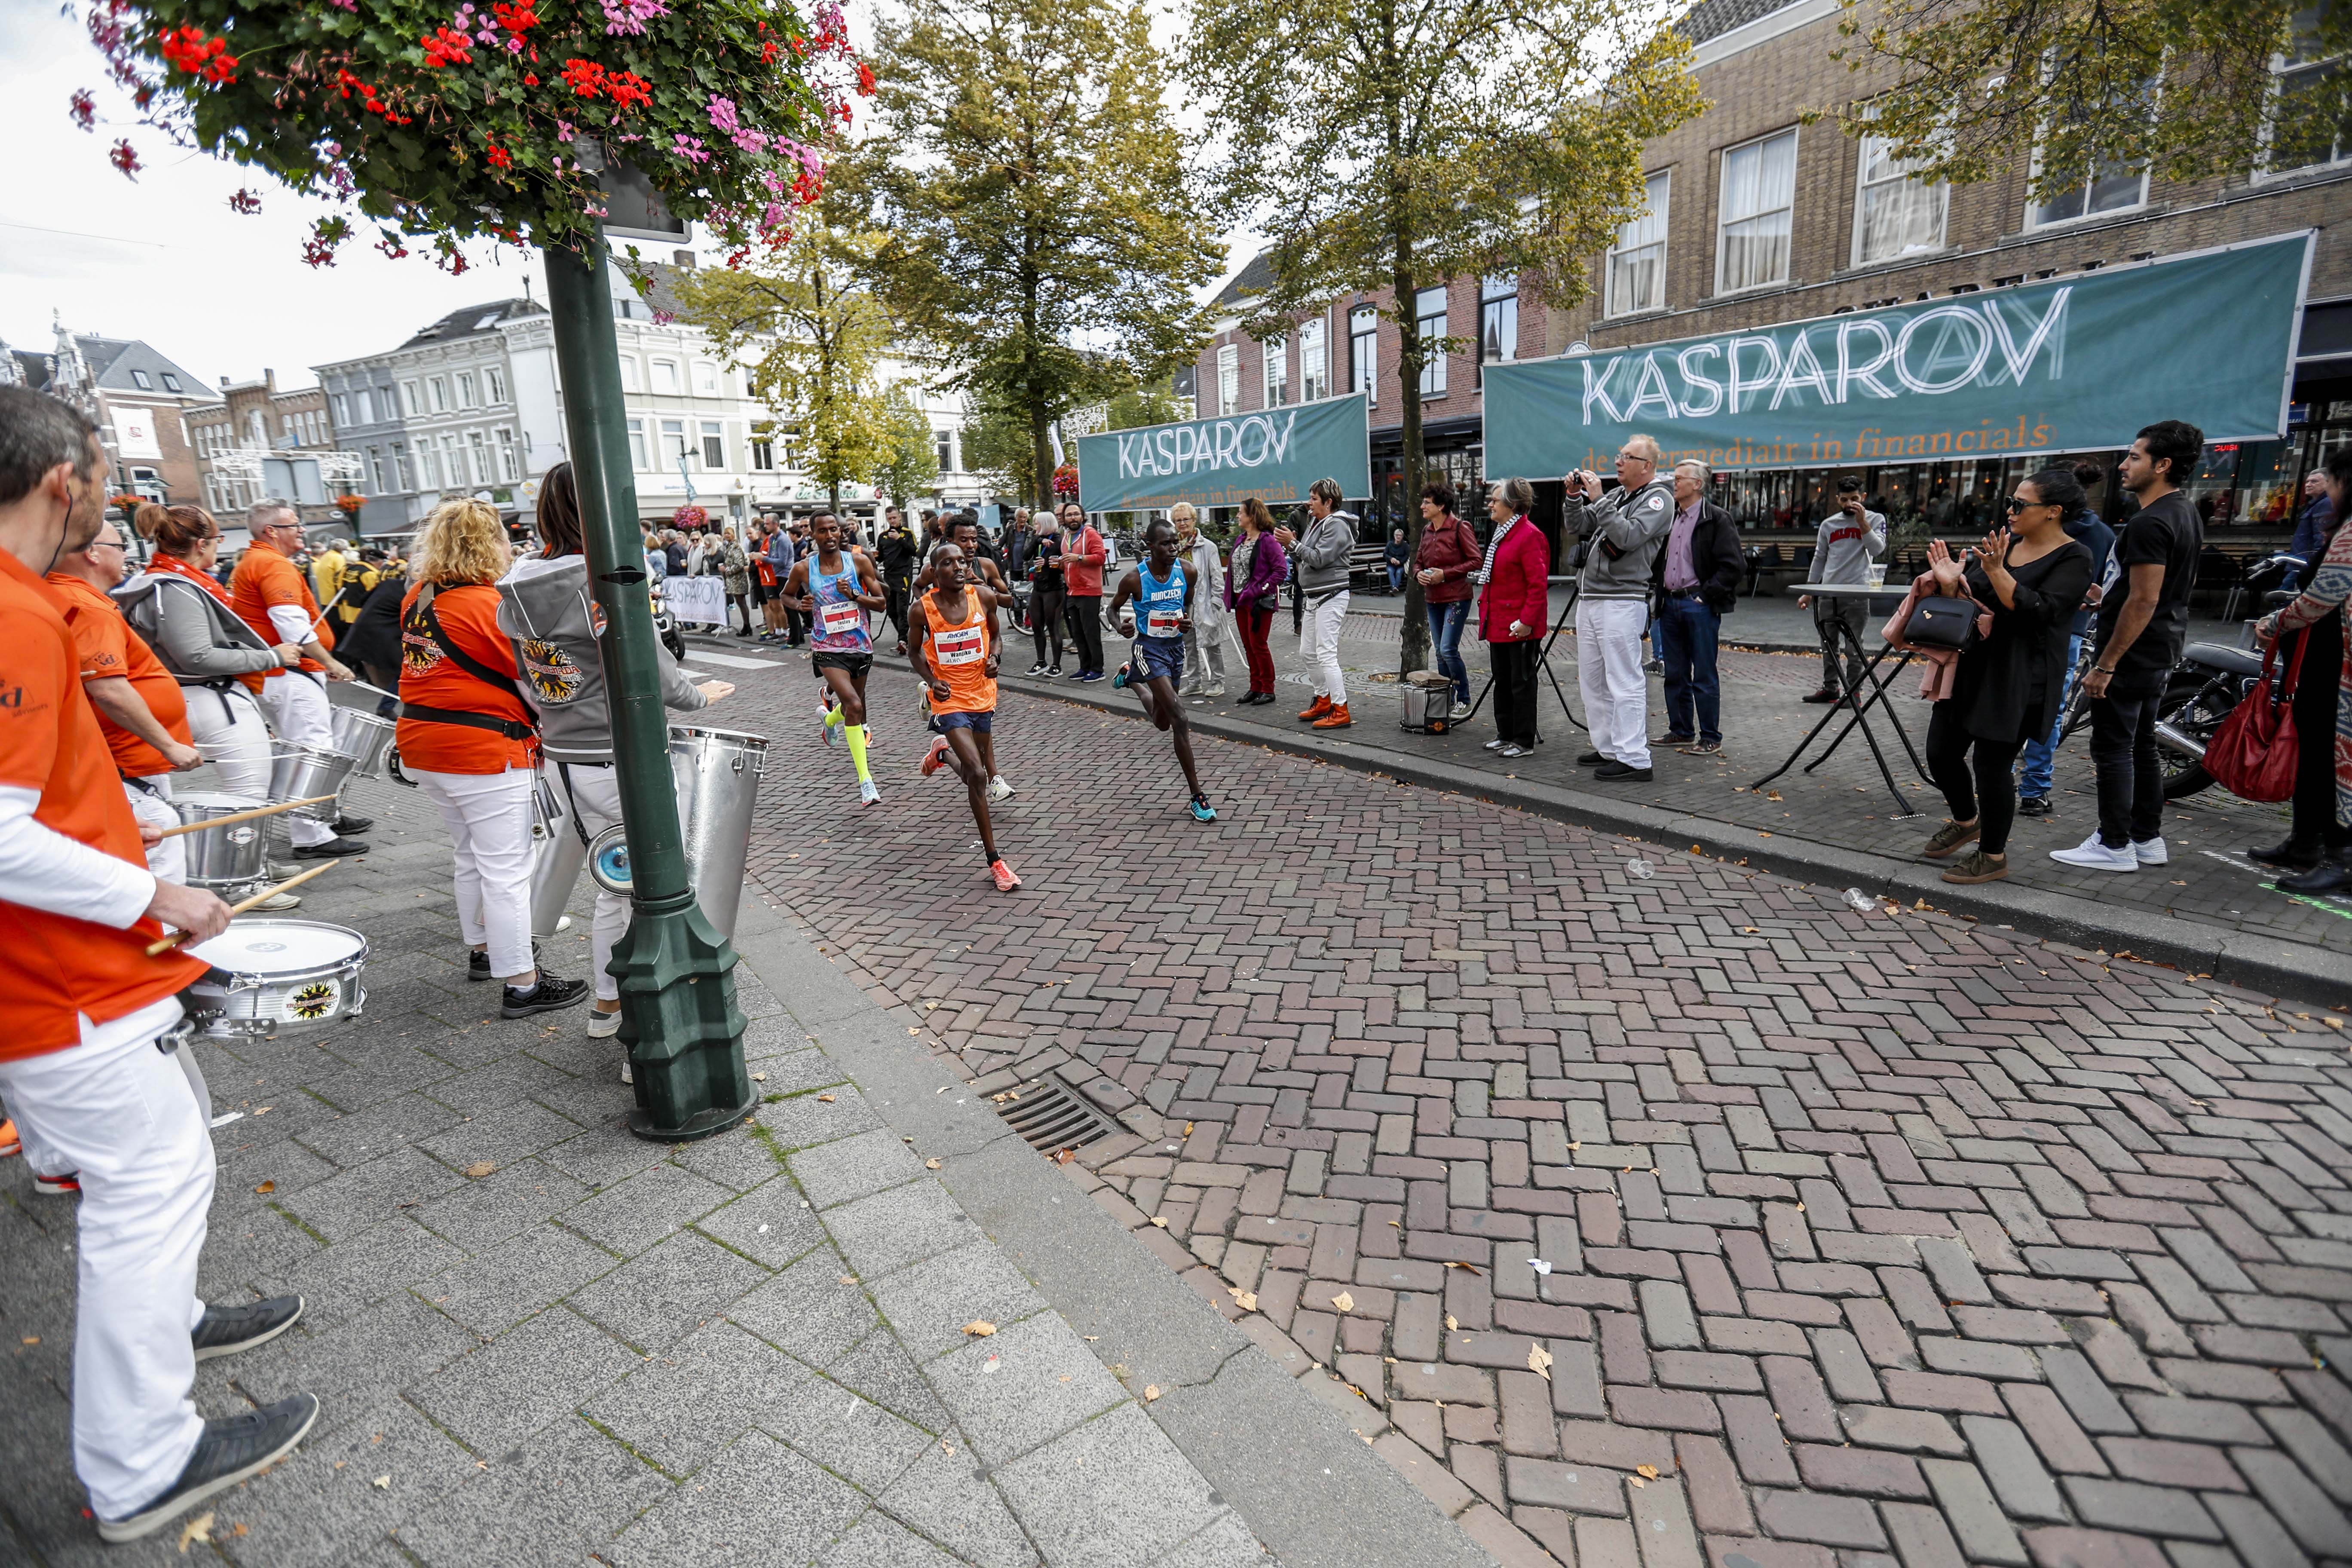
[
  {"x": 470, "y": 118},
  {"x": 1043, "y": 236},
  {"x": 1153, "y": 405},
  {"x": 997, "y": 446},
  {"x": 1979, "y": 86},
  {"x": 909, "y": 464}
]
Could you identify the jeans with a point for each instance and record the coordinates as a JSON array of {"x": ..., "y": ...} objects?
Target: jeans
[
  {"x": 2033, "y": 778},
  {"x": 1985, "y": 790},
  {"x": 1829, "y": 614},
  {"x": 1608, "y": 672},
  {"x": 2131, "y": 780},
  {"x": 1515, "y": 688},
  {"x": 1257, "y": 625},
  {"x": 1685, "y": 636},
  {"x": 1445, "y": 624},
  {"x": 1396, "y": 577}
]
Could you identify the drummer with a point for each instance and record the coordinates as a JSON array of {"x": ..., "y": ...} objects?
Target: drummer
[
  {"x": 269, "y": 594},
  {"x": 83, "y": 1011},
  {"x": 139, "y": 709}
]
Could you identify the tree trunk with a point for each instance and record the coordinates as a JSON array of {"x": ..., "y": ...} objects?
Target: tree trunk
[{"x": 1414, "y": 650}]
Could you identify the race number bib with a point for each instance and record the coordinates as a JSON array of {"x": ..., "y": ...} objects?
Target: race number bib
[
  {"x": 1163, "y": 624},
  {"x": 965, "y": 644},
  {"x": 841, "y": 618}
]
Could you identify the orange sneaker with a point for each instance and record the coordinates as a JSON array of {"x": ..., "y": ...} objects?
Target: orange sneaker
[
  {"x": 1005, "y": 880},
  {"x": 1337, "y": 719},
  {"x": 10, "y": 1144},
  {"x": 936, "y": 758},
  {"x": 1317, "y": 709}
]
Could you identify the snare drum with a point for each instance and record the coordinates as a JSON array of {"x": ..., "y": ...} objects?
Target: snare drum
[
  {"x": 298, "y": 772},
  {"x": 364, "y": 737},
  {"x": 223, "y": 859},
  {"x": 270, "y": 975}
]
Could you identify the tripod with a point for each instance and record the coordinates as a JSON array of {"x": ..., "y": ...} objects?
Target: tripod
[{"x": 1543, "y": 661}]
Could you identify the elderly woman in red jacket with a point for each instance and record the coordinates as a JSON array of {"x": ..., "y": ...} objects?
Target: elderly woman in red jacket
[{"x": 1514, "y": 604}]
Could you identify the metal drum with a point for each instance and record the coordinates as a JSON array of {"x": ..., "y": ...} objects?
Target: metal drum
[
  {"x": 298, "y": 772},
  {"x": 717, "y": 772},
  {"x": 364, "y": 737},
  {"x": 557, "y": 854},
  {"x": 270, "y": 976},
  {"x": 223, "y": 859}
]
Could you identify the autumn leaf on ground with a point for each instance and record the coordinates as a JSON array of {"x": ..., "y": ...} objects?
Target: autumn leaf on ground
[
  {"x": 1064, "y": 1156},
  {"x": 1246, "y": 1299},
  {"x": 1344, "y": 1301},
  {"x": 382, "y": 1482},
  {"x": 759, "y": 1077},
  {"x": 1450, "y": 1325},
  {"x": 1159, "y": 1220},
  {"x": 825, "y": 1100},
  {"x": 1539, "y": 1361},
  {"x": 1150, "y": 1393},
  {"x": 480, "y": 1169},
  {"x": 1647, "y": 1472},
  {"x": 267, "y": 1187},
  {"x": 1451, "y": 1263},
  {"x": 931, "y": 1164},
  {"x": 980, "y": 1328},
  {"x": 197, "y": 1528}
]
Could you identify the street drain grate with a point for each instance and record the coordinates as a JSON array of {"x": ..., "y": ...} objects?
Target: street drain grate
[{"x": 1051, "y": 1115}]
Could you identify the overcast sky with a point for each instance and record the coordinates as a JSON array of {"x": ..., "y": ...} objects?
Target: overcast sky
[{"x": 163, "y": 257}]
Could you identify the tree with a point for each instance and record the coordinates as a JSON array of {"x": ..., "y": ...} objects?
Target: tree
[
  {"x": 1043, "y": 235},
  {"x": 998, "y": 444},
  {"x": 1396, "y": 145},
  {"x": 1153, "y": 405},
  {"x": 810, "y": 335},
  {"x": 909, "y": 464},
  {"x": 2181, "y": 87}
]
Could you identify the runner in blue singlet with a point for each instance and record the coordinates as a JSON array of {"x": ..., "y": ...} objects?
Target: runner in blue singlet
[
  {"x": 835, "y": 585},
  {"x": 1162, "y": 591}
]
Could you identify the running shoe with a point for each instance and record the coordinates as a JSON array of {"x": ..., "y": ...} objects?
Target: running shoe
[
  {"x": 867, "y": 794},
  {"x": 824, "y": 725},
  {"x": 998, "y": 789},
  {"x": 10, "y": 1144},
  {"x": 57, "y": 1186},
  {"x": 1119, "y": 680},
  {"x": 936, "y": 758},
  {"x": 1005, "y": 880},
  {"x": 1202, "y": 810}
]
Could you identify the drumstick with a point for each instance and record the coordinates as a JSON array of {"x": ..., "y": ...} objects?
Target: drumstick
[
  {"x": 379, "y": 690},
  {"x": 157, "y": 949},
  {"x": 243, "y": 815}
]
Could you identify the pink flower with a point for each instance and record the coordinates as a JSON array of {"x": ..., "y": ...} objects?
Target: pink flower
[
  {"x": 690, "y": 148},
  {"x": 751, "y": 140},
  {"x": 630, "y": 17},
  {"x": 722, "y": 114}
]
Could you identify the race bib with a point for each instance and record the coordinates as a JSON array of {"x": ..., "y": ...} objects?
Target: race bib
[
  {"x": 965, "y": 644},
  {"x": 1163, "y": 624},
  {"x": 841, "y": 617}
]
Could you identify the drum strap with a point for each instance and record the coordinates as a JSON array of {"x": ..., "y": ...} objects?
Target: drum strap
[
  {"x": 578, "y": 823},
  {"x": 506, "y": 727},
  {"x": 423, "y": 619}
]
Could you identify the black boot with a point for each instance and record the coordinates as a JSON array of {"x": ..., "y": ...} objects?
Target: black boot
[
  {"x": 2287, "y": 855},
  {"x": 2332, "y": 875}
]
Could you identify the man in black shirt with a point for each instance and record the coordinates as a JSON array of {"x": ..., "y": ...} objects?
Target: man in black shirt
[{"x": 2143, "y": 620}]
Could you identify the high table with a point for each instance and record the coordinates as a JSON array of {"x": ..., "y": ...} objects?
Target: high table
[{"x": 1877, "y": 600}]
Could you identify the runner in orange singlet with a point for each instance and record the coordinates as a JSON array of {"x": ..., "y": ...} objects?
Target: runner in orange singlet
[{"x": 955, "y": 650}]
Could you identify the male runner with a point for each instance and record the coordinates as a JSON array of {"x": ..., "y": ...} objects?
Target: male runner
[
  {"x": 836, "y": 587},
  {"x": 1162, "y": 591},
  {"x": 955, "y": 653},
  {"x": 964, "y": 532}
]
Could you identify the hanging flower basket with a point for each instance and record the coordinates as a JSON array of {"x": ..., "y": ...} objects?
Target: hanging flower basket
[
  {"x": 1066, "y": 482},
  {"x": 446, "y": 120},
  {"x": 350, "y": 505},
  {"x": 127, "y": 502},
  {"x": 688, "y": 518}
]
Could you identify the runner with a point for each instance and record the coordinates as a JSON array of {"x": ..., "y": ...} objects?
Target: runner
[
  {"x": 1162, "y": 591},
  {"x": 955, "y": 654},
  {"x": 836, "y": 587},
  {"x": 964, "y": 532}
]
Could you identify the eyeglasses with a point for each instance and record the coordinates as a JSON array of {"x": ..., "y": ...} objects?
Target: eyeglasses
[{"x": 104, "y": 544}]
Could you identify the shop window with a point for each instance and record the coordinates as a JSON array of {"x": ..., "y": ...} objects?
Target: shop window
[
  {"x": 1364, "y": 353},
  {"x": 1895, "y": 213},
  {"x": 1637, "y": 262},
  {"x": 1276, "y": 355},
  {"x": 1314, "y": 362},
  {"x": 1759, "y": 194},
  {"x": 1429, "y": 319},
  {"x": 1498, "y": 319},
  {"x": 1229, "y": 378}
]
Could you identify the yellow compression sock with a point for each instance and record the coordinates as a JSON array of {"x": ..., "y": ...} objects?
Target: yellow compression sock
[{"x": 857, "y": 737}]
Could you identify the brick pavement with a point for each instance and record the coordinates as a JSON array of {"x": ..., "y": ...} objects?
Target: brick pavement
[{"x": 1694, "y": 1217}]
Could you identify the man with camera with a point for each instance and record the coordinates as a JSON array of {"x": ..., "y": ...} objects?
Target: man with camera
[
  {"x": 1849, "y": 540},
  {"x": 1623, "y": 531}
]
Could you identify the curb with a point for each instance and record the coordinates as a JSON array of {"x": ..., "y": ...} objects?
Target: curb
[{"x": 2271, "y": 965}]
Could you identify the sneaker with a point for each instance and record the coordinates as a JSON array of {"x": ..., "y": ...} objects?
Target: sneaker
[
  {"x": 477, "y": 964},
  {"x": 550, "y": 994},
  {"x": 627, "y": 1074},
  {"x": 2093, "y": 855},
  {"x": 1337, "y": 719},
  {"x": 1946, "y": 840},
  {"x": 224, "y": 1331},
  {"x": 1119, "y": 680},
  {"x": 1823, "y": 695},
  {"x": 1038, "y": 669},
  {"x": 824, "y": 726},
  {"x": 10, "y": 1144},
  {"x": 1653, "y": 667},
  {"x": 1215, "y": 688},
  {"x": 1460, "y": 712},
  {"x": 1317, "y": 709},
  {"x": 281, "y": 901},
  {"x": 232, "y": 1449},
  {"x": 867, "y": 794},
  {"x": 1005, "y": 880},
  {"x": 1673, "y": 739},
  {"x": 1496, "y": 744},
  {"x": 936, "y": 758},
  {"x": 604, "y": 1026},
  {"x": 2151, "y": 851},
  {"x": 1091, "y": 676},
  {"x": 1053, "y": 671},
  {"x": 1202, "y": 810},
  {"x": 1512, "y": 749},
  {"x": 1703, "y": 749},
  {"x": 332, "y": 849},
  {"x": 57, "y": 1186},
  {"x": 1978, "y": 866},
  {"x": 998, "y": 789},
  {"x": 1612, "y": 770},
  {"x": 2034, "y": 805},
  {"x": 352, "y": 825}
]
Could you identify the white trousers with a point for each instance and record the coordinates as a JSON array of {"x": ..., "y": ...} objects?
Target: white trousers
[
  {"x": 594, "y": 798},
  {"x": 117, "y": 1111},
  {"x": 488, "y": 819},
  {"x": 169, "y": 859},
  {"x": 1318, "y": 646},
  {"x": 299, "y": 711},
  {"x": 1608, "y": 672},
  {"x": 227, "y": 729}
]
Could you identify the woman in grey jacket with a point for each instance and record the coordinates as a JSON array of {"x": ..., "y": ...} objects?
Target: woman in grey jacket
[
  {"x": 548, "y": 613},
  {"x": 1322, "y": 557}
]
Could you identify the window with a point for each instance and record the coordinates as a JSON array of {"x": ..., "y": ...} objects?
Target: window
[
  {"x": 375, "y": 467},
  {"x": 673, "y": 439},
  {"x": 1429, "y": 317},
  {"x": 439, "y": 388},
  {"x": 1276, "y": 353},
  {"x": 638, "y": 457},
  {"x": 706, "y": 379},
  {"x": 428, "y": 467},
  {"x": 665, "y": 375},
  {"x": 1364, "y": 353},
  {"x": 400, "y": 465},
  {"x": 1895, "y": 213},
  {"x": 411, "y": 398},
  {"x": 946, "y": 440},
  {"x": 494, "y": 385},
  {"x": 2299, "y": 140},
  {"x": 139, "y": 379},
  {"x": 629, "y": 374},
  {"x": 466, "y": 398},
  {"x": 1637, "y": 262},
  {"x": 1498, "y": 319},
  {"x": 714, "y": 446},
  {"x": 763, "y": 452},
  {"x": 342, "y": 409},
  {"x": 509, "y": 461},
  {"x": 171, "y": 382},
  {"x": 2114, "y": 185},
  {"x": 1760, "y": 190},
  {"x": 1314, "y": 362},
  {"x": 453, "y": 461}
]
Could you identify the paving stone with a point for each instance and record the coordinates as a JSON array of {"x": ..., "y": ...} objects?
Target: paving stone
[
  {"x": 1921, "y": 1537},
  {"x": 848, "y": 1433},
  {"x": 808, "y": 1310},
  {"x": 2315, "y": 1521},
  {"x": 2129, "y": 1505},
  {"x": 879, "y": 1367},
  {"x": 499, "y": 1289},
  {"x": 1984, "y": 1532},
  {"x": 645, "y": 1209},
  {"x": 1660, "y": 1515},
  {"x": 527, "y": 1379},
  {"x": 944, "y": 1495},
  {"x": 1051, "y": 1492},
  {"x": 357, "y": 1364},
  {"x": 511, "y": 1200},
  {"x": 1820, "y": 1517},
  {"x": 681, "y": 1407},
  {"x": 891, "y": 1230},
  {"x": 758, "y": 1493},
  {"x": 562, "y": 1491},
  {"x": 1571, "y": 1488},
  {"x": 849, "y": 1168},
  {"x": 345, "y": 1281},
  {"x": 2009, "y": 1462},
  {"x": 877, "y": 1541},
  {"x": 655, "y": 1300},
  {"x": 1871, "y": 1474},
  {"x": 2198, "y": 1420},
  {"x": 770, "y": 1224},
  {"x": 1006, "y": 1394},
  {"x": 366, "y": 1196},
  {"x": 2260, "y": 1540}
]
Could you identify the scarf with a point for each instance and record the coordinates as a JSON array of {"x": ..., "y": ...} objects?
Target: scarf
[
  {"x": 174, "y": 564},
  {"x": 1486, "y": 568}
]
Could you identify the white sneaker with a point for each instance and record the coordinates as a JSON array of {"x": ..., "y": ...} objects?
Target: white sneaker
[
  {"x": 2093, "y": 855},
  {"x": 1460, "y": 712},
  {"x": 281, "y": 901},
  {"x": 2151, "y": 851},
  {"x": 1215, "y": 688},
  {"x": 626, "y": 1076},
  {"x": 604, "y": 1026},
  {"x": 998, "y": 789},
  {"x": 867, "y": 794}
]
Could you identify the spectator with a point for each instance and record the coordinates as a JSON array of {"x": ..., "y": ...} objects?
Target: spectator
[
  {"x": 374, "y": 640},
  {"x": 2007, "y": 684},
  {"x": 2088, "y": 527},
  {"x": 1514, "y": 604},
  {"x": 2142, "y": 622},
  {"x": 1204, "y": 639},
  {"x": 894, "y": 551},
  {"x": 326, "y": 572},
  {"x": 780, "y": 571},
  {"x": 2313, "y": 528},
  {"x": 1396, "y": 555},
  {"x": 735, "y": 572},
  {"x": 1447, "y": 555},
  {"x": 1624, "y": 531},
  {"x": 698, "y": 554},
  {"x": 657, "y": 559},
  {"x": 1257, "y": 572},
  {"x": 2318, "y": 847},
  {"x": 673, "y": 553},
  {"x": 1849, "y": 540},
  {"x": 1694, "y": 584},
  {"x": 1082, "y": 574},
  {"x": 1324, "y": 562}
]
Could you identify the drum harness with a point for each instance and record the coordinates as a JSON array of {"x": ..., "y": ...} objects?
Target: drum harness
[{"x": 422, "y": 618}]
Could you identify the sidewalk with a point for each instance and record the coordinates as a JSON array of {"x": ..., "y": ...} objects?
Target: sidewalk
[{"x": 539, "y": 1340}]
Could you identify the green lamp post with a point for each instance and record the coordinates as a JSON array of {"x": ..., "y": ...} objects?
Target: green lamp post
[{"x": 678, "y": 1017}]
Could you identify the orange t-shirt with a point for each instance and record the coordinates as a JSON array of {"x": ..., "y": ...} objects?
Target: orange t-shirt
[
  {"x": 109, "y": 648},
  {"x": 957, "y": 654},
  {"x": 469, "y": 615},
  {"x": 52, "y": 966},
  {"x": 263, "y": 577}
]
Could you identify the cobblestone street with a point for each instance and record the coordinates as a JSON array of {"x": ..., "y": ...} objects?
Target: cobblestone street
[{"x": 1658, "y": 1213}]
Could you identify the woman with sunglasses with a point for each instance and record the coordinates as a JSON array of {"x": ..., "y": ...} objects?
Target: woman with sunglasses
[{"x": 2029, "y": 577}]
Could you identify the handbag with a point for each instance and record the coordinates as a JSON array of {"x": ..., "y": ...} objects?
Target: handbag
[
  {"x": 2252, "y": 754},
  {"x": 1937, "y": 621}
]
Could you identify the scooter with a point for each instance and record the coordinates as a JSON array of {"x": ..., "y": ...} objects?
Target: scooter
[{"x": 666, "y": 627}]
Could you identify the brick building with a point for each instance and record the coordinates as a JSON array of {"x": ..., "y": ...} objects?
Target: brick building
[
  {"x": 139, "y": 400},
  {"x": 255, "y": 417}
]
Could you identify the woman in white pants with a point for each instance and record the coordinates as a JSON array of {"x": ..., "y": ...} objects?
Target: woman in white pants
[
  {"x": 547, "y": 612},
  {"x": 1323, "y": 556},
  {"x": 466, "y": 737}
]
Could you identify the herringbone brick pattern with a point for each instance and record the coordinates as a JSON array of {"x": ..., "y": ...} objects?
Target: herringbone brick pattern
[{"x": 1654, "y": 1219}]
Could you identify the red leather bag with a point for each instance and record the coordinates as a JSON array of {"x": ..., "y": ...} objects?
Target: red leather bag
[{"x": 2252, "y": 754}]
